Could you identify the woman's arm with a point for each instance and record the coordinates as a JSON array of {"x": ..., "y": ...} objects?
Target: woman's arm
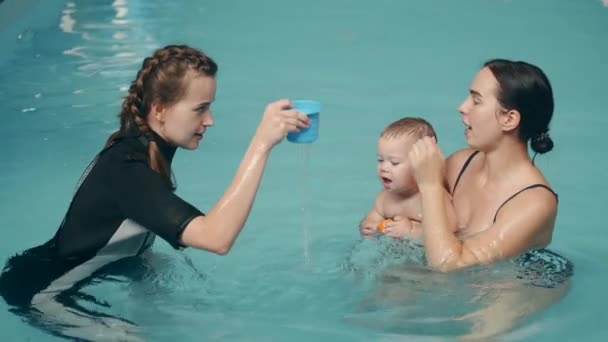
[
  {"x": 217, "y": 231},
  {"x": 525, "y": 222}
]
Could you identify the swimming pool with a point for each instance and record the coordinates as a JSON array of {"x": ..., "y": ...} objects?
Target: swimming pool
[{"x": 65, "y": 65}]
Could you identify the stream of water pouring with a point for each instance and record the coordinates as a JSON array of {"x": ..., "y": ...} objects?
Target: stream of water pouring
[{"x": 304, "y": 188}]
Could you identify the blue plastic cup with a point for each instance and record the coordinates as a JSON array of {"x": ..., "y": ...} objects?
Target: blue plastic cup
[{"x": 310, "y": 134}]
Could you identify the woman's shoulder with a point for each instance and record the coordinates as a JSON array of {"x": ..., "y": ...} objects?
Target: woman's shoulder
[
  {"x": 460, "y": 156},
  {"x": 531, "y": 177},
  {"x": 455, "y": 163},
  {"x": 127, "y": 149}
]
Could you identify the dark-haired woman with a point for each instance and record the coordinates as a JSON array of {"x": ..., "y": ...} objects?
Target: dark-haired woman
[{"x": 503, "y": 203}]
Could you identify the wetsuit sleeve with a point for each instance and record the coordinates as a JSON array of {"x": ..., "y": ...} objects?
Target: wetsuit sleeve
[{"x": 144, "y": 197}]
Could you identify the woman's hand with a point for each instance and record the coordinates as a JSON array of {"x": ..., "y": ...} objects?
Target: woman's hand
[
  {"x": 428, "y": 162},
  {"x": 279, "y": 119}
]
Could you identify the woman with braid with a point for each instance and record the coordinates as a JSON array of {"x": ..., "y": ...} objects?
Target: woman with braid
[{"x": 125, "y": 198}]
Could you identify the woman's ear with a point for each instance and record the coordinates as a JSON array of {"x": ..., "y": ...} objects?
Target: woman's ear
[
  {"x": 510, "y": 120},
  {"x": 158, "y": 111}
]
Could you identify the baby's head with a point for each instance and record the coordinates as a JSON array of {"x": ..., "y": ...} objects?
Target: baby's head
[{"x": 396, "y": 140}]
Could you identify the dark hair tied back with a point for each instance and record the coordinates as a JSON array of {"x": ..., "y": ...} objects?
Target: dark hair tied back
[{"x": 542, "y": 143}]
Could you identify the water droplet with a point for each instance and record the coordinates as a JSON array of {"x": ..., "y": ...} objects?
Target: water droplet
[{"x": 25, "y": 36}]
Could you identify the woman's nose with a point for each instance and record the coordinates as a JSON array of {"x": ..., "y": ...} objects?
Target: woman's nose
[
  {"x": 208, "y": 120},
  {"x": 462, "y": 109}
]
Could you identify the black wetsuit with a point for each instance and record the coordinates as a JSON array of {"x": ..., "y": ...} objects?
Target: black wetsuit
[{"x": 119, "y": 206}]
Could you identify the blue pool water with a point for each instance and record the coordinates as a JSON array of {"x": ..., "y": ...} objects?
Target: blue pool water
[{"x": 299, "y": 271}]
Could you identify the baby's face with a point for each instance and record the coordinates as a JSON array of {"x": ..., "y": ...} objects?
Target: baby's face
[{"x": 394, "y": 168}]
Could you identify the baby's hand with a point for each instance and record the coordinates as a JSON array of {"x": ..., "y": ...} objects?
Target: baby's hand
[
  {"x": 398, "y": 227},
  {"x": 367, "y": 228}
]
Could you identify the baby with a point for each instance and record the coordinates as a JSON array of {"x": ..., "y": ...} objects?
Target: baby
[{"x": 397, "y": 211}]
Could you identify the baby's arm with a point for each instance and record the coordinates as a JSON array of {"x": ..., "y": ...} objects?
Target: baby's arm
[{"x": 369, "y": 224}]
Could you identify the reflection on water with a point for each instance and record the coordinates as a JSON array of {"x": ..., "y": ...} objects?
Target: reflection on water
[
  {"x": 67, "y": 21},
  {"x": 103, "y": 46},
  {"x": 477, "y": 303},
  {"x": 152, "y": 284},
  {"x": 86, "y": 64}
]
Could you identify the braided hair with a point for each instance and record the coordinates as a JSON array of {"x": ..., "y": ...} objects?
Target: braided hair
[{"x": 161, "y": 79}]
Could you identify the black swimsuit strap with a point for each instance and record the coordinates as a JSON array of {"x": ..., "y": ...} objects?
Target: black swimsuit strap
[
  {"x": 522, "y": 190},
  {"x": 464, "y": 167}
]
